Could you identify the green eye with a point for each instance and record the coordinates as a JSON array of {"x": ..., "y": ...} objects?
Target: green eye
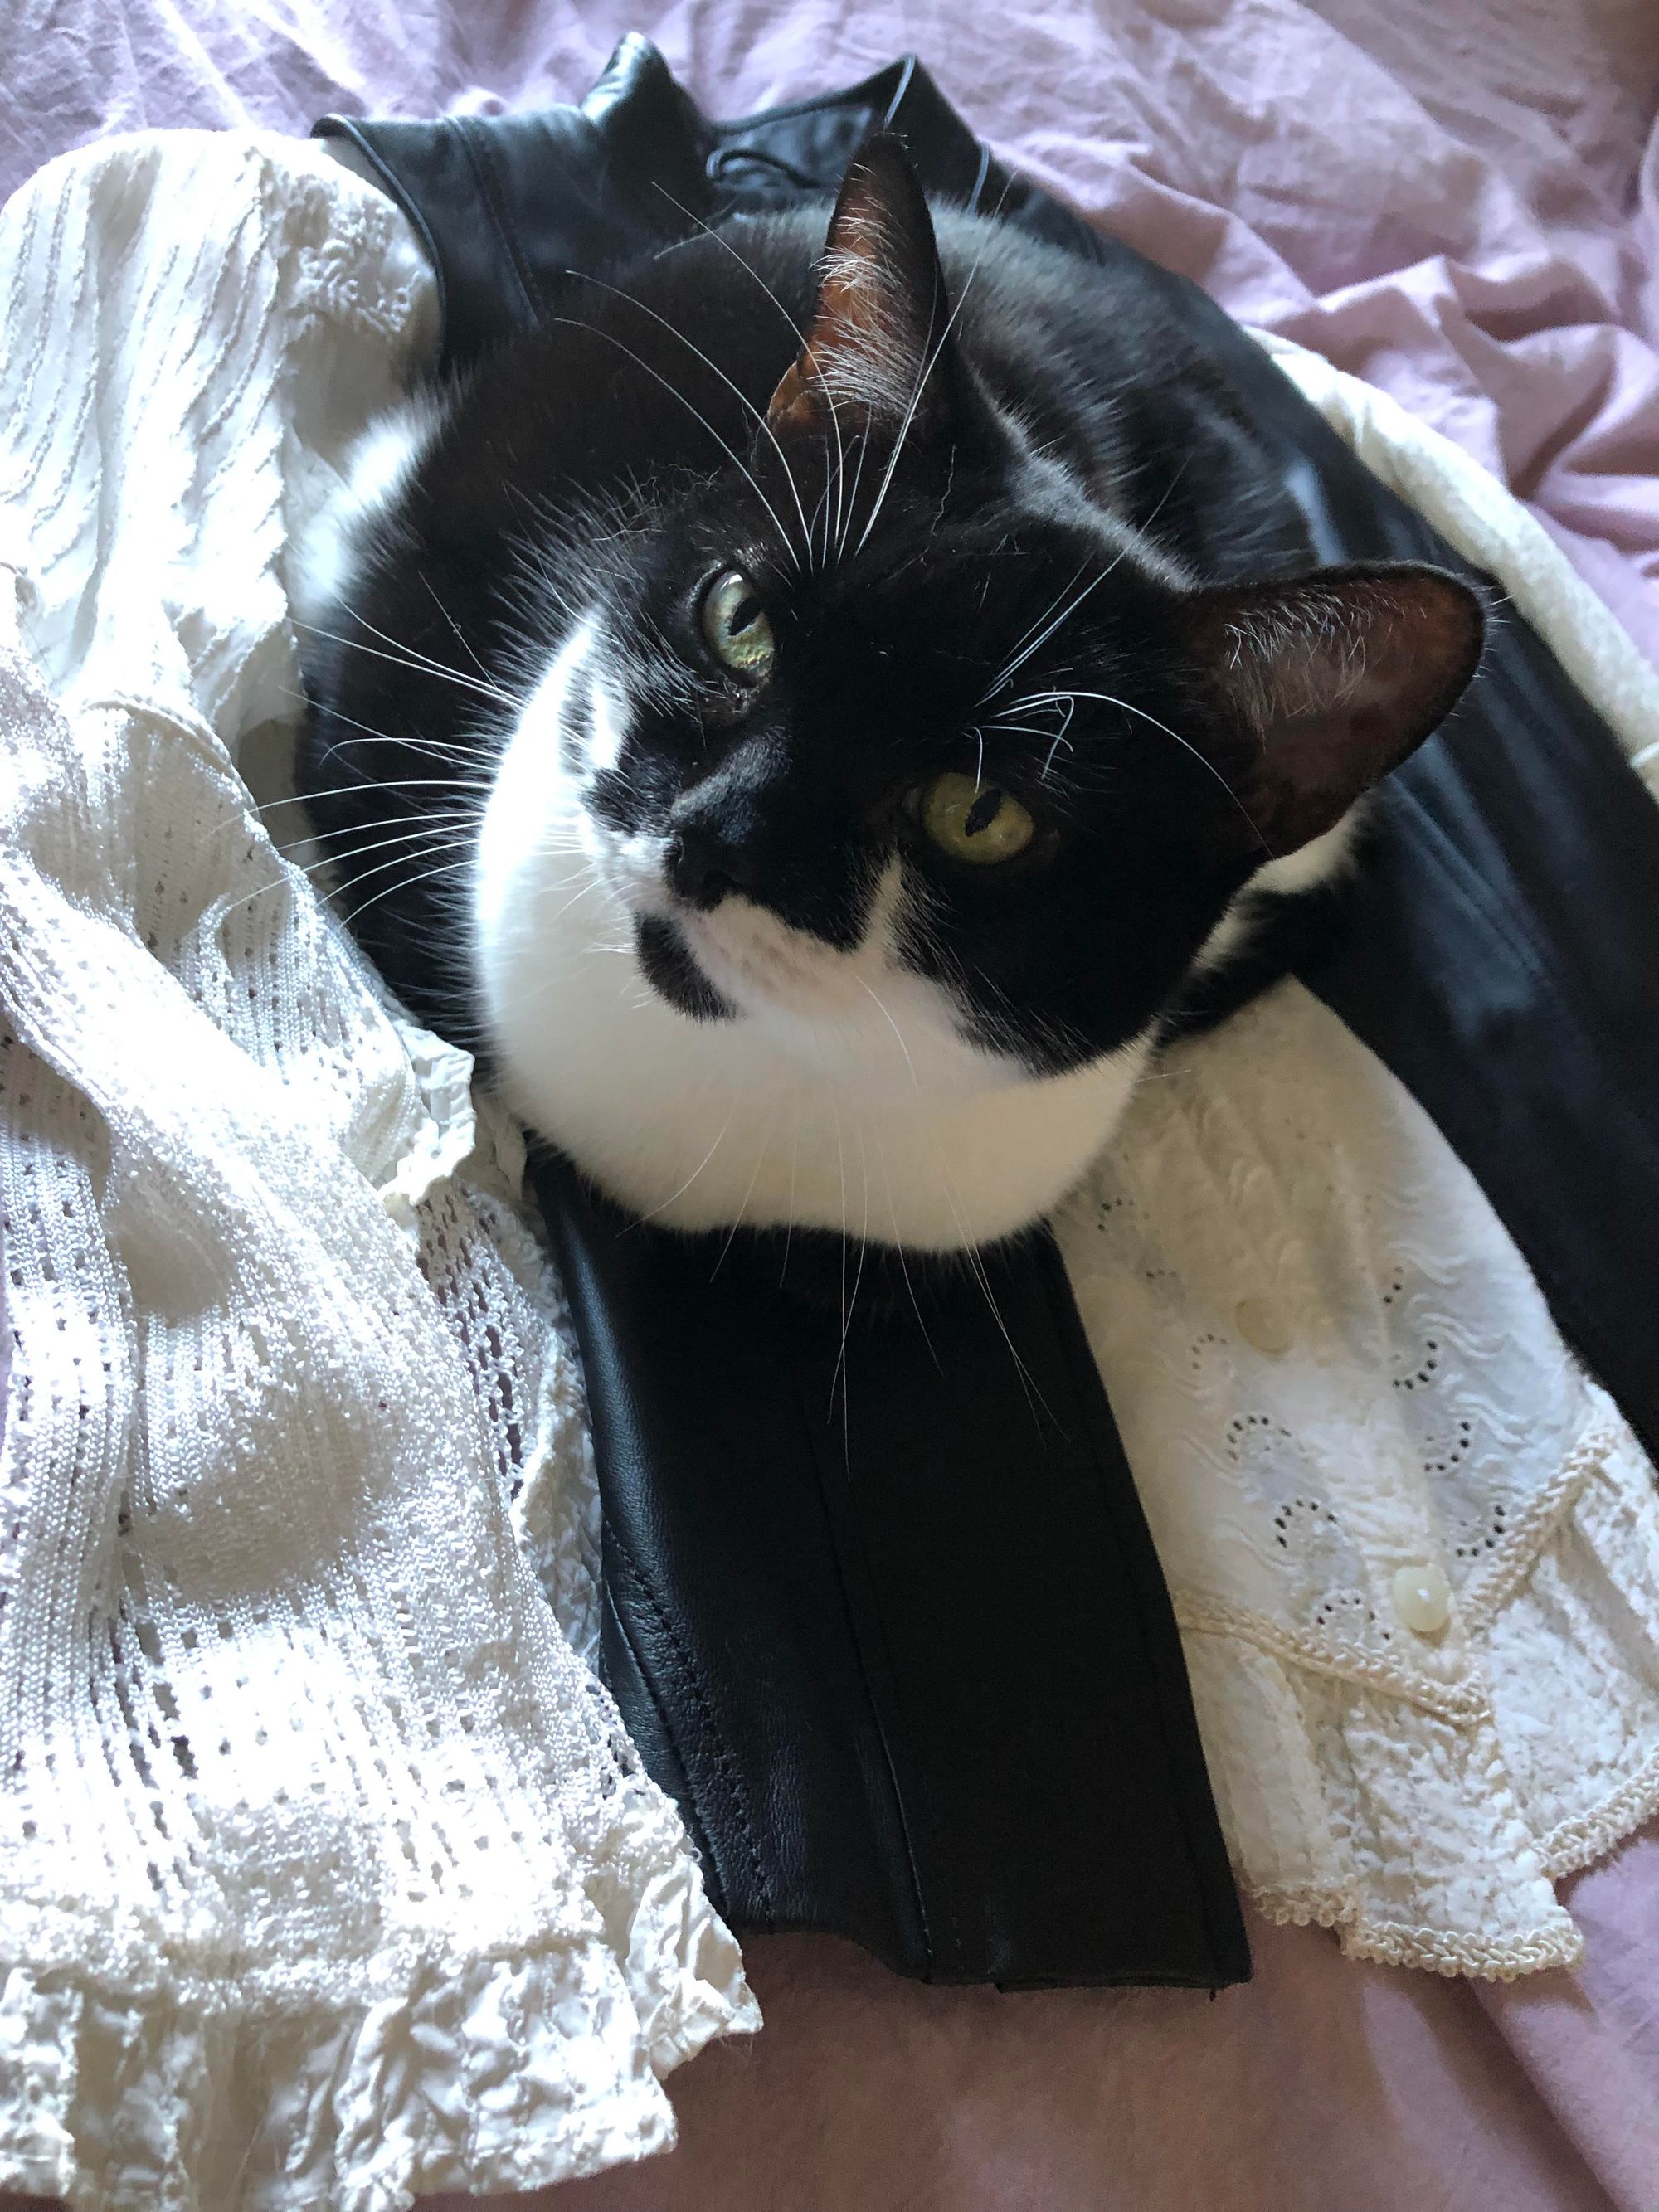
[
  {"x": 975, "y": 821},
  {"x": 734, "y": 623}
]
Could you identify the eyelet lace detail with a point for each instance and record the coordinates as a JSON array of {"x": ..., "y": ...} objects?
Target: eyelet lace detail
[{"x": 1331, "y": 1366}]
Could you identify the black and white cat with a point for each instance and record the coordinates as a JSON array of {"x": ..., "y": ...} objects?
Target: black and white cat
[{"x": 803, "y": 712}]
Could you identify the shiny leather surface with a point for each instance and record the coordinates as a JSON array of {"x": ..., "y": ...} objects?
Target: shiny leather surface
[
  {"x": 888, "y": 1621},
  {"x": 916, "y": 1681}
]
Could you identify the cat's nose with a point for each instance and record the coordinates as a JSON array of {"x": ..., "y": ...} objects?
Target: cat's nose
[{"x": 704, "y": 866}]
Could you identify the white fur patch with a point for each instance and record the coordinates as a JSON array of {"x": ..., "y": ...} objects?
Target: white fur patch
[
  {"x": 325, "y": 552},
  {"x": 1320, "y": 861},
  {"x": 842, "y": 1096}
]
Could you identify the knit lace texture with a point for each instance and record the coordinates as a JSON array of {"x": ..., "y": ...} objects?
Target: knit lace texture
[{"x": 328, "y": 1874}]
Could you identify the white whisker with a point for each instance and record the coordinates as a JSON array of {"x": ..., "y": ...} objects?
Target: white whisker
[
  {"x": 420, "y": 664},
  {"x": 928, "y": 365},
  {"x": 445, "y": 868},
  {"x": 742, "y": 397},
  {"x": 1209, "y": 767},
  {"x": 675, "y": 1196}
]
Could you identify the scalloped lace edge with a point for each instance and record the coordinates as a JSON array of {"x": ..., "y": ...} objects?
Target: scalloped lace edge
[{"x": 1435, "y": 1951}]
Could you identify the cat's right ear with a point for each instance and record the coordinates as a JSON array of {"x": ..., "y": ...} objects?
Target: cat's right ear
[{"x": 874, "y": 344}]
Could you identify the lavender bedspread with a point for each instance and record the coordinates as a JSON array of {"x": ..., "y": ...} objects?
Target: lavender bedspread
[{"x": 1458, "y": 200}]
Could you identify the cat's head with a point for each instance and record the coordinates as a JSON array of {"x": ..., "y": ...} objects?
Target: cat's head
[{"x": 885, "y": 784}]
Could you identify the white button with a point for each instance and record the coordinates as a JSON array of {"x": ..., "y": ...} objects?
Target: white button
[
  {"x": 1422, "y": 1598},
  {"x": 1258, "y": 1324}
]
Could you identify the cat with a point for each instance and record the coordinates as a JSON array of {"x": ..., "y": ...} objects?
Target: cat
[{"x": 804, "y": 714}]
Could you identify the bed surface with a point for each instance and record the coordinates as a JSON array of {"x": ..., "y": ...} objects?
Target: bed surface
[{"x": 1459, "y": 201}]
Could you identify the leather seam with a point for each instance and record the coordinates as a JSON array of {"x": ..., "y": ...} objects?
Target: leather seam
[
  {"x": 692, "y": 1816},
  {"x": 1173, "y": 1767},
  {"x": 481, "y": 156},
  {"x": 889, "y": 1759},
  {"x": 709, "y": 1728}
]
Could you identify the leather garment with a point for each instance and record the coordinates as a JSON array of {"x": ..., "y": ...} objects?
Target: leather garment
[{"x": 897, "y": 1642}]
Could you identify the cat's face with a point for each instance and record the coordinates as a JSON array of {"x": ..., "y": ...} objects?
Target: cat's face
[{"x": 941, "y": 765}]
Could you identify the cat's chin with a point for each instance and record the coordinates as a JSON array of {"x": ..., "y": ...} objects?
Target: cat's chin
[
  {"x": 702, "y": 1123},
  {"x": 937, "y": 1182},
  {"x": 703, "y": 1081}
]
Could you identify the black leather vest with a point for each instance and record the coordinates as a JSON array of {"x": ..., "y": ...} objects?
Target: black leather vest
[{"x": 896, "y": 1640}]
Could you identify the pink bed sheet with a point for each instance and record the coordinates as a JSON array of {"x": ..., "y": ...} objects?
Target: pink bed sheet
[{"x": 1458, "y": 200}]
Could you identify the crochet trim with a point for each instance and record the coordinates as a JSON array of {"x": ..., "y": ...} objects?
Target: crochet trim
[
  {"x": 1463, "y": 1704},
  {"x": 1433, "y": 1951}
]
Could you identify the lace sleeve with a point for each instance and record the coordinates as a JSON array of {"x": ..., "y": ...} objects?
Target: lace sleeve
[{"x": 327, "y": 1874}]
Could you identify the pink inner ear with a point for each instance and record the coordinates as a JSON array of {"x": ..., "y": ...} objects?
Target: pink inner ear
[
  {"x": 1337, "y": 679},
  {"x": 868, "y": 339}
]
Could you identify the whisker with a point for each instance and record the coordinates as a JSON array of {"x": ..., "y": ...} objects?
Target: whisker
[
  {"x": 789, "y": 1225},
  {"x": 1036, "y": 644},
  {"x": 898, "y": 1249},
  {"x": 841, "y": 1357},
  {"x": 1033, "y": 644},
  {"x": 405, "y": 658},
  {"x": 1061, "y": 738},
  {"x": 674, "y": 1196},
  {"x": 342, "y": 790},
  {"x": 445, "y": 868},
  {"x": 461, "y": 639},
  {"x": 392, "y": 785},
  {"x": 446, "y": 829},
  {"x": 575, "y": 899},
  {"x": 852, "y": 1303},
  {"x": 977, "y": 1268},
  {"x": 1146, "y": 527},
  {"x": 800, "y": 340},
  {"x": 1014, "y": 730},
  {"x": 1031, "y": 628},
  {"x": 742, "y": 397},
  {"x": 461, "y": 848},
  {"x": 437, "y": 747},
  {"x": 760, "y": 1155},
  {"x": 1108, "y": 699},
  {"x": 1056, "y": 738}
]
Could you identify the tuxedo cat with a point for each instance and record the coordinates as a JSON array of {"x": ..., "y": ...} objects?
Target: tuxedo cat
[{"x": 806, "y": 713}]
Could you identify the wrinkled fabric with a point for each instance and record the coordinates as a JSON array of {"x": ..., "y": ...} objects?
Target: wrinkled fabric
[{"x": 1327, "y": 2086}]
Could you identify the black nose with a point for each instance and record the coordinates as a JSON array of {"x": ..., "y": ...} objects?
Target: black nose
[{"x": 703, "y": 867}]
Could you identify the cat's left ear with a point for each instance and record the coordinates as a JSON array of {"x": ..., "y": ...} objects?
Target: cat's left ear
[
  {"x": 1326, "y": 682},
  {"x": 874, "y": 342}
]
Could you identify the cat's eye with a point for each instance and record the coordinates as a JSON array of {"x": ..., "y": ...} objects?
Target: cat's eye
[
  {"x": 734, "y": 623},
  {"x": 975, "y": 821}
]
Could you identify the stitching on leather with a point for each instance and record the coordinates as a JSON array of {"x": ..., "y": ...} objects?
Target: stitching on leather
[
  {"x": 692, "y": 1816},
  {"x": 726, "y": 1765},
  {"x": 481, "y": 155}
]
